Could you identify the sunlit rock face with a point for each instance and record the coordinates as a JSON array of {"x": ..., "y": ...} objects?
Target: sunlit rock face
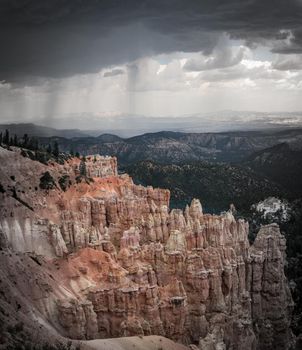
[{"x": 122, "y": 263}]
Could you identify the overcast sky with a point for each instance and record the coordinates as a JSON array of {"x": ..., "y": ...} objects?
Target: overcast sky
[{"x": 153, "y": 58}]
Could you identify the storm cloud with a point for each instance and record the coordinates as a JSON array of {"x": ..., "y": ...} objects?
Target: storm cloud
[
  {"x": 225, "y": 57},
  {"x": 60, "y": 39},
  {"x": 114, "y": 72},
  {"x": 102, "y": 58}
]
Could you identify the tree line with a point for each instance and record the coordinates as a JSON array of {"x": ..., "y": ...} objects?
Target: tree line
[
  {"x": 30, "y": 147},
  {"x": 30, "y": 143}
]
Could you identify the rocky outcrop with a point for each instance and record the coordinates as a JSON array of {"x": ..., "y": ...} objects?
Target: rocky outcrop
[
  {"x": 204, "y": 284},
  {"x": 271, "y": 299},
  {"x": 131, "y": 266},
  {"x": 78, "y": 319}
]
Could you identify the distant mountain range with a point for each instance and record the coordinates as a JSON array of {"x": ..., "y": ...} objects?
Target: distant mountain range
[
  {"x": 165, "y": 146},
  {"x": 128, "y": 125},
  {"x": 177, "y": 147}
]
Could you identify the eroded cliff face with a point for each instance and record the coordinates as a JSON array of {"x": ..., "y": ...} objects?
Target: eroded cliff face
[
  {"x": 125, "y": 264},
  {"x": 271, "y": 299}
]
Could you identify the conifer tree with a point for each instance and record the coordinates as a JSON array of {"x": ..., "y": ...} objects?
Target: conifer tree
[
  {"x": 83, "y": 171},
  {"x": 6, "y": 137},
  {"x": 56, "y": 151},
  {"x": 16, "y": 140},
  {"x": 25, "y": 141},
  {"x": 33, "y": 144}
]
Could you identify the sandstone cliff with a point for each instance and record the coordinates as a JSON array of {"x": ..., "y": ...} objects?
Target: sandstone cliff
[{"x": 118, "y": 262}]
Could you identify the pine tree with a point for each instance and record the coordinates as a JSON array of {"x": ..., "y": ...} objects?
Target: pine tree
[
  {"x": 36, "y": 144},
  {"x": 16, "y": 140},
  {"x": 77, "y": 154},
  {"x": 71, "y": 152},
  {"x": 48, "y": 149},
  {"x": 56, "y": 151},
  {"x": 1, "y": 138},
  {"x": 83, "y": 171},
  {"x": 25, "y": 140},
  {"x": 6, "y": 137},
  {"x": 33, "y": 144}
]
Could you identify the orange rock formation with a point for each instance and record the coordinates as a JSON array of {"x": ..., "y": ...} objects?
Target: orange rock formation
[{"x": 122, "y": 263}]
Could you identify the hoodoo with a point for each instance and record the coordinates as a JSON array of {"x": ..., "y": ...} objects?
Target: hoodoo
[{"x": 101, "y": 257}]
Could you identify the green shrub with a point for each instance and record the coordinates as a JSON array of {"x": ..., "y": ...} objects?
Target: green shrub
[
  {"x": 64, "y": 182},
  {"x": 47, "y": 182}
]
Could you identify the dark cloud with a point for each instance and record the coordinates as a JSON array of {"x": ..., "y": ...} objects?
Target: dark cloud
[
  {"x": 288, "y": 62},
  {"x": 113, "y": 73},
  {"x": 222, "y": 58},
  {"x": 59, "y": 38},
  {"x": 293, "y": 44}
]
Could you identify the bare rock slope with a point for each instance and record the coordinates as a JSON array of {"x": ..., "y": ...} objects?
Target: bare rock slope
[{"x": 105, "y": 258}]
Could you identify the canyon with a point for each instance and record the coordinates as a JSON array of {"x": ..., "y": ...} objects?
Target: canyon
[{"x": 102, "y": 257}]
